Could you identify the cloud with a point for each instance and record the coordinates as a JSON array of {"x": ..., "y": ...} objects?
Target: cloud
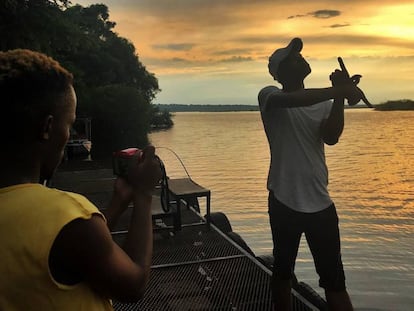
[
  {"x": 325, "y": 13},
  {"x": 174, "y": 46},
  {"x": 318, "y": 14},
  {"x": 298, "y": 16},
  {"x": 183, "y": 41},
  {"x": 237, "y": 59},
  {"x": 179, "y": 60},
  {"x": 339, "y": 25},
  {"x": 232, "y": 51}
]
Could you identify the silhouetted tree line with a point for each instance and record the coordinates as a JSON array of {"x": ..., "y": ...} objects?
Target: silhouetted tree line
[
  {"x": 112, "y": 85},
  {"x": 402, "y": 104},
  {"x": 207, "y": 108},
  {"x": 161, "y": 118}
]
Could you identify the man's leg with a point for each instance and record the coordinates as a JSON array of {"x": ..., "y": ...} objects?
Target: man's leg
[
  {"x": 338, "y": 300},
  {"x": 286, "y": 238},
  {"x": 323, "y": 239},
  {"x": 281, "y": 294}
]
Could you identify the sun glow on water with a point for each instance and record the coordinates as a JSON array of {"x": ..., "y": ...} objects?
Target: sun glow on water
[{"x": 371, "y": 182}]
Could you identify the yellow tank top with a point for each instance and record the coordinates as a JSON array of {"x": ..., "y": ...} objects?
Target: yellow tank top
[{"x": 31, "y": 217}]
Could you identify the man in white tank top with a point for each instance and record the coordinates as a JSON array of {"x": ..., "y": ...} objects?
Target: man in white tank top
[{"x": 298, "y": 122}]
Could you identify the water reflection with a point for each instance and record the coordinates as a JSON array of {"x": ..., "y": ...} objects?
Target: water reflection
[{"x": 371, "y": 181}]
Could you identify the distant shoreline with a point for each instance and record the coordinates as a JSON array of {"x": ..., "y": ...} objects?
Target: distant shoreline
[
  {"x": 403, "y": 104},
  {"x": 221, "y": 108},
  {"x": 207, "y": 108}
]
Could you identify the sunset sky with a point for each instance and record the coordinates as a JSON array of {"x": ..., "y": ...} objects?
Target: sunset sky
[{"x": 216, "y": 51}]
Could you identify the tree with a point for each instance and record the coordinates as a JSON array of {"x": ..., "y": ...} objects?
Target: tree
[
  {"x": 160, "y": 119},
  {"x": 120, "y": 118},
  {"x": 112, "y": 85}
]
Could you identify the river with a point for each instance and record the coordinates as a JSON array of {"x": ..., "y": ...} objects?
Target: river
[{"x": 371, "y": 173}]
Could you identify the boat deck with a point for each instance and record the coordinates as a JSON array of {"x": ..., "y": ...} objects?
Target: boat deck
[{"x": 195, "y": 268}]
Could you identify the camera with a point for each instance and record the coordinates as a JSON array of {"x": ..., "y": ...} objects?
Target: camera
[{"x": 122, "y": 160}]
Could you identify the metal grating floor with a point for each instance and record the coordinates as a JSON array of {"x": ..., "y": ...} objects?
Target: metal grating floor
[
  {"x": 228, "y": 284},
  {"x": 195, "y": 268},
  {"x": 192, "y": 243},
  {"x": 200, "y": 269}
]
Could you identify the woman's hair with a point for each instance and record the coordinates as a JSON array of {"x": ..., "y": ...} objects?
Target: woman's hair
[{"x": 31, "y": 86}]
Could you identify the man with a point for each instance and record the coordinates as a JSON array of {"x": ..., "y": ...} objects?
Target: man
[
  {"x": 298, "y": 122},
  {"x": 57, "y": 250}
]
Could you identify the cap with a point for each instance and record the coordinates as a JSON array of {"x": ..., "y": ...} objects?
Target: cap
[{"x": 279, "y": 55}]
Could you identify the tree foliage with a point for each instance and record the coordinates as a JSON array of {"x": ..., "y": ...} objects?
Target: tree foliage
[
  {"x": 112, "y": 85},
  {"x": 402, "y": 104},
  {"x": 160, "y": 118},
  {"x": 117, "y": 128}
]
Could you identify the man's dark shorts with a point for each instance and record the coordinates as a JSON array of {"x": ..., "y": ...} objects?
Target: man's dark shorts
[{"x": 322, "y": 234}]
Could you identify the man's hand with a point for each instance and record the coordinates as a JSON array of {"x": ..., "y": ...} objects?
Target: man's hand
[
  {"x": 123, "y": 191},
  {"x": 342, "y": 78},
  {"x": 339, "y": 78},
  {"x": 144, "y": 176},
  {"x": 122, "y": 196}
]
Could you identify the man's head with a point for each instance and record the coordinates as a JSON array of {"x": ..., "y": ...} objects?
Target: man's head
[
  {"x": 287, "y": 64},
  {"x": 38, "y": 107}
]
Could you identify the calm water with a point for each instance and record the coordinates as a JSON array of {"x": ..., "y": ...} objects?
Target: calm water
[{"x": 371, "y": 181}]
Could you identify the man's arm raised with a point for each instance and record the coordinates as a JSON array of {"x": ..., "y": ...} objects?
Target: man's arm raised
[{"x": 308, "y": 97}]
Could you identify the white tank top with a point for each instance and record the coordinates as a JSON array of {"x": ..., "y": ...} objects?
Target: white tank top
[{"x": 298, "y": 175}]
